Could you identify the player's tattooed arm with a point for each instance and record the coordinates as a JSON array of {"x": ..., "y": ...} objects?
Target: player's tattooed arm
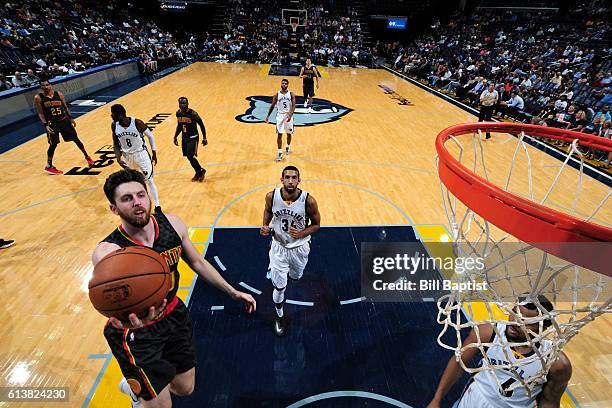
[
  {"x": 312, "y": 212},
  {"x": 144, "y": 129},
  {"x": 267, "y": 215},
  {"x": 41, "y": 113},
  {"x": 61, "y": 95},
  {"x": 272, "y": 105}
]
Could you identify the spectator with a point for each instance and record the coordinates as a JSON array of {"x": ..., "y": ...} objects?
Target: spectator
[
  {"x": 19, "y": 81},
  {"x": 4, "y": 84},
  {"x": 513, "y": 105},
  {"x": 605, "y": 111},
  {"x": 578, "y": 122},
  {"x": 31, "y": 78}
]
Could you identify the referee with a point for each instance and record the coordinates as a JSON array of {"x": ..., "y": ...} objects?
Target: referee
[{"x": 488, "y": 100}]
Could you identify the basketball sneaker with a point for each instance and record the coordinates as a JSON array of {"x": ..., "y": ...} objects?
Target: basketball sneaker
[
  {"x": 124, "y": 387},
  {"x": 279, "y": 157},
  {"x": 195, "y": 178},
  {"x": 5, "y": 243},
  {"x": 201, "y": 176},
  {"x": 90, "y": 162},
  {"x": 287, "y": 151},
  {"x": 279, "y": 326},
  {"x": 53, "y": 170},
  {"x": 306, "y": 104}
]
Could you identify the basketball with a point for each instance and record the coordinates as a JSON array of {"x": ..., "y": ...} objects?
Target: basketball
[{"x": 129, "y": 280}]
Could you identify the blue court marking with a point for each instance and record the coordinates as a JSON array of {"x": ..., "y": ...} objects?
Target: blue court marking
[
  {"x": 106, "y": 355},
  {"x": 218, "y": 261},
  {"x": 252, "y": 289},
  {"x": 356, "y": 300},
  {"x": 93, "y": 388},
  {"x": 356, "y": 394}
]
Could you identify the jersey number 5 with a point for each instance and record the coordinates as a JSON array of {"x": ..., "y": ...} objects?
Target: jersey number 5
[{"x": 504, "y": 388}]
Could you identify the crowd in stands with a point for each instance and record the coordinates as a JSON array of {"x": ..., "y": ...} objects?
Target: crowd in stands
[
  {"x": 255, "y": 32},
  {"x": 53, "y": 38},
  {"x": 545, "y": 70}
]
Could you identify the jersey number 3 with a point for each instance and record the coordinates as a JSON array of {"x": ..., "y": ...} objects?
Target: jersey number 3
[{"x": 286, "y": 225}]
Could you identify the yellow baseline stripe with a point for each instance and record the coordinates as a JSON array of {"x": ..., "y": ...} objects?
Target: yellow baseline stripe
[
  {"x": 323, "y": 71},
  {"x": 265, "y": 68}
]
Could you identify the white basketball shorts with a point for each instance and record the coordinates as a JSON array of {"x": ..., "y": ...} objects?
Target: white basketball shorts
[{"x": 287, "y": 262}]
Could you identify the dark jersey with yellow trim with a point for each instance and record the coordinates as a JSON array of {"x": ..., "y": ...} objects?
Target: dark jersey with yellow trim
[
  {"x": 309, "y": 74},
  {"x": 53, "y": 107},
  {"x": 167, "y": 243},
  {"x": 188, "y": 121}
]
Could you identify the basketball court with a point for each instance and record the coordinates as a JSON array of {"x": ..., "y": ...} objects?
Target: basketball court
[{"x": 366, "y": 153}]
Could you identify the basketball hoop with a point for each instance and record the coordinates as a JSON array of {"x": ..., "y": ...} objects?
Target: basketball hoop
[{"x": 532, "y": 245}]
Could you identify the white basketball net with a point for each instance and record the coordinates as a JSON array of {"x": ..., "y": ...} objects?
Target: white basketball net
[{"x": 514, "y": 269}]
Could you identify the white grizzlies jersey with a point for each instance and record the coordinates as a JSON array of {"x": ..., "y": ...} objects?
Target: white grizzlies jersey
[
  {"x": 288, "y": 215},
  {"x": 283, "y": 103},
  {"x": 489, "y": 388},
  {"x": 130, "y": 138}
]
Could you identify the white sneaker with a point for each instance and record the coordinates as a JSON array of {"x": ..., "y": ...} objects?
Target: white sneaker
[
  {"x": 309, "y": 110},
  {"x": 279, "y": 157},
  {"x": 124, "y": 387},
  {"x": 306, "y": 104},
  {"x": 287, "y": 151}
]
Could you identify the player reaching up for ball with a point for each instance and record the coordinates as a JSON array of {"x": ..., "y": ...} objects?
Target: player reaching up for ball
[{"x": 156, "y": 353}]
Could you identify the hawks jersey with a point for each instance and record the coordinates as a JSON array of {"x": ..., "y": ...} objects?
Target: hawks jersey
[
  {"x": 289, "y": 215},
  {"x": 53, "y": 107},
  {"x": 283, "y": 102},
  {"x": 167, "y": 243},
  {"x": 309, "y": 74},
  {"x": 188, "y": 122},
  {"x": 130, "y": 138},
  {"x": 489, "y": 386}
]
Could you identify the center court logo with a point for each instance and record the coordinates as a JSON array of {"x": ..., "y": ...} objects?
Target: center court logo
[{"x": 323, "y": 111}]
